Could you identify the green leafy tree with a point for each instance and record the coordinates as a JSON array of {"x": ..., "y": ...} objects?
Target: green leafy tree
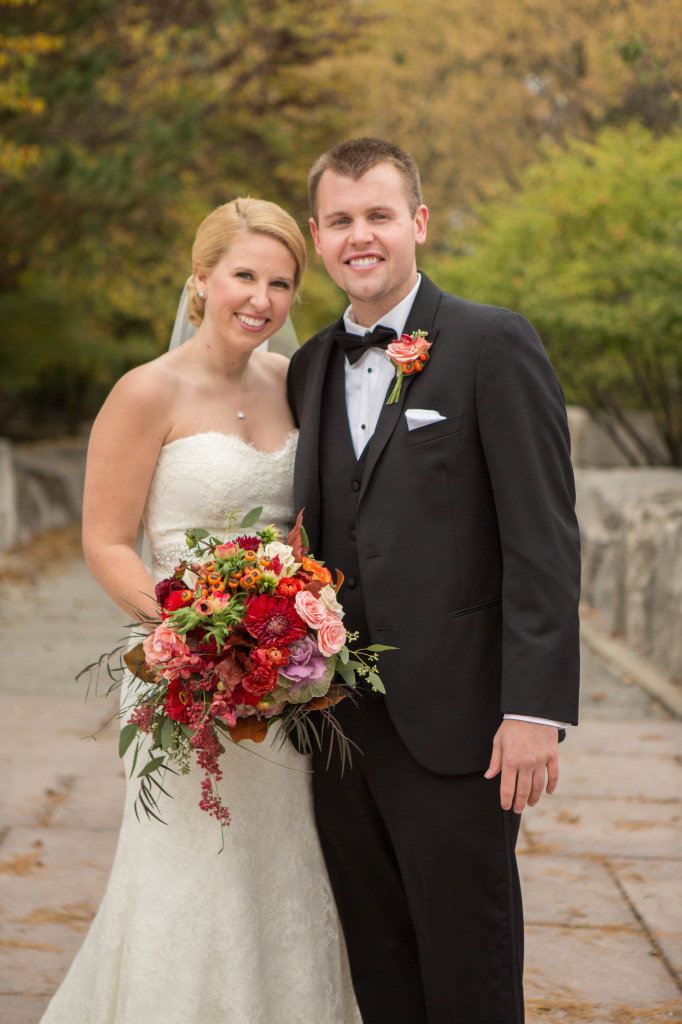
[
  {"x": 590, "y": 250},
  {"x": 474, "y": 90}
]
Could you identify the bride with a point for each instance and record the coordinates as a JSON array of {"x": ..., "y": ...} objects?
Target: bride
[{"x": 184, "y": 935}]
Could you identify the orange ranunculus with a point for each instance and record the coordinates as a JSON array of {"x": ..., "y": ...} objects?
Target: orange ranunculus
[
  {"x": 276, "y": 655},
  {"x": 289, "y": 586},
  {"x": 320, "y": 572}
]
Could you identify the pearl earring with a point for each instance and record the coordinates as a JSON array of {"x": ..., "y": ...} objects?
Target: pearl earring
[{"x": 202, "y": 295}]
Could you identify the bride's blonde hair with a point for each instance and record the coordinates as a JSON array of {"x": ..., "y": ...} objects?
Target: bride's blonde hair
[{"x": 219, "y": 230}]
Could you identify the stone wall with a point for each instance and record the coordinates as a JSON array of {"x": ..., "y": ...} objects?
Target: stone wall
[
  {"x": 630, "y": 523},
  {"x": 41, "y": 487},
  {"x": 631, "y": 532}
]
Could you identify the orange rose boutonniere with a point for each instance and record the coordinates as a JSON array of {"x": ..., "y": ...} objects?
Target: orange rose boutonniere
[{"x": 409, "y": 355}]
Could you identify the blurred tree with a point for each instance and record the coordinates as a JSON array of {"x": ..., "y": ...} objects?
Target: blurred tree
[
  {"x": 123, "y": 124},
  {"x": 473, "y": 90},
  {"x": 590, "y": 250}
]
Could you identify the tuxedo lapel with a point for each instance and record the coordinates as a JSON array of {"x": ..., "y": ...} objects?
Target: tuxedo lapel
[
  {"x": 307, "y": 474},
  {"x": 421, "y": 318}
]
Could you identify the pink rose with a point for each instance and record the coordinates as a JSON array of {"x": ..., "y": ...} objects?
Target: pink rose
[
  {"x": 331, "y": 636},
  {"x": 312, "y": 611},
  {"x": 406, "y": 350},
  {"x": 163, "y": 645},
  {"x": 227, "y": 550}
]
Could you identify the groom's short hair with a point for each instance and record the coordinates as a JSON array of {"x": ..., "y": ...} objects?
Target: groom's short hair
[{"x": 354, "y": 158}]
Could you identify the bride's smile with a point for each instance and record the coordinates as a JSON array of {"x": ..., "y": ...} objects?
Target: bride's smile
[{"x": 248, "y": 292}]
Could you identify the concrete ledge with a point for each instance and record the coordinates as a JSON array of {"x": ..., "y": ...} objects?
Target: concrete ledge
[{"x": 650, "y": 678}]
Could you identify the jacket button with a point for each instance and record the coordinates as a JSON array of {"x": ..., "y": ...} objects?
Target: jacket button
[
  {"x": 353, "y": 534},
  {"x": 355, "y": 486},
  {"x": 351, "y": 582}
]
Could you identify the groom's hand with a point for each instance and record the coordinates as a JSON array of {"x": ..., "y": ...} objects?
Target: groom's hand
[{"x": 526, "y": 754}]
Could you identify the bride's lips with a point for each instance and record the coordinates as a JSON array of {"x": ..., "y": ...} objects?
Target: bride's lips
[{"x": 252, "y": 323}]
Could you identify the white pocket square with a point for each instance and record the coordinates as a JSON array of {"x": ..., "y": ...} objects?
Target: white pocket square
[{"x": 421, "y": 418}]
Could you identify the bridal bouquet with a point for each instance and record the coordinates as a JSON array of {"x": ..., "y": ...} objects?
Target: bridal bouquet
[{"x": 249, "y": 632}]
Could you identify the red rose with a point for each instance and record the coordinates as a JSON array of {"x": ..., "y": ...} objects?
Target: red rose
[
  {"x": 240, "y": 696},
  {"x": 289, "y": 586},
  {"x": 261, "y": 680},
  {"x": 166, "y": 587},
  {"x": 178, "y": 700}
]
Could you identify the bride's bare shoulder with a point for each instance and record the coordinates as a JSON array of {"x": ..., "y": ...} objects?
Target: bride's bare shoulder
[
  {"x": 144, "y": 399},
  {"x": 158, "y": 380},
  {"x": 274, "y": 365}
]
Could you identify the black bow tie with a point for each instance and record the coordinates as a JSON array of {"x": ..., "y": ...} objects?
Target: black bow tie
[{"x": 355, "y": 345}]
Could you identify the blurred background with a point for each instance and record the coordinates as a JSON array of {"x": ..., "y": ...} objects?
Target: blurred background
[
  {"x": 548, "y": 137},
  {"x": 549, "y": 140}
]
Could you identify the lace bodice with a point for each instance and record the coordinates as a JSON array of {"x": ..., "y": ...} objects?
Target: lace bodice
[{"x": 198, "y": 479}]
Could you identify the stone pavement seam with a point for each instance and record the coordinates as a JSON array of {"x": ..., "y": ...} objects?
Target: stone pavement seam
[{"x": 660, "y": 952}]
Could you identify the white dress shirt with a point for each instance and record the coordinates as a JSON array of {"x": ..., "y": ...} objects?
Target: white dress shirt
[{"x": 367, "y": 382}]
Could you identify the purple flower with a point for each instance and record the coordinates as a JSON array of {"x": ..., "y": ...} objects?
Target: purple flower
[{"x": 305, "y": 661}]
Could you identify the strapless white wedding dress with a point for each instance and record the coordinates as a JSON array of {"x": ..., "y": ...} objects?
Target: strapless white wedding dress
[{"x": 185, "y": 935}]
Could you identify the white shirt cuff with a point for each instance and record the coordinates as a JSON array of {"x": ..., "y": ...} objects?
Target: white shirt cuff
[{"x": 540, "y": 721}]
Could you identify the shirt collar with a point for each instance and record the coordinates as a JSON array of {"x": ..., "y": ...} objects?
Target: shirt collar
[{"x": 396, "y": 318}]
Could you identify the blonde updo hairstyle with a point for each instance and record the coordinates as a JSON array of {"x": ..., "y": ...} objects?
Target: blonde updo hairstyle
[{"x": 219, "y": 230}]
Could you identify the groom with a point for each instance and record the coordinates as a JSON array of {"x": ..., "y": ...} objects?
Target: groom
[{"x": 450, "y": 512}]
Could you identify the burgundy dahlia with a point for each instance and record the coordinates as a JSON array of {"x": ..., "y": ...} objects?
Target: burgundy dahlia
[
  {"x": 273, "y": 621},
  {"x": 248, "y": 543}
]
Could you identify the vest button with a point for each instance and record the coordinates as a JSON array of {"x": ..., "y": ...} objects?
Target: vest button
[
  {"x": 355, "y": 486},
  {"x": 353, "y": 534},
  {"x": 351, "y": 582}
]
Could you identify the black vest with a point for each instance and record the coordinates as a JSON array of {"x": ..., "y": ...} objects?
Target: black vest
[{"x": 340, "y": 480}]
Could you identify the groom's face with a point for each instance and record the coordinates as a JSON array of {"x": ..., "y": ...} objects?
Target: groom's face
[{"x": 366, "y": 237}]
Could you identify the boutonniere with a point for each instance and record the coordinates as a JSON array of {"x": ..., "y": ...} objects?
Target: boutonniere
[{"x": 409, "y": 355}]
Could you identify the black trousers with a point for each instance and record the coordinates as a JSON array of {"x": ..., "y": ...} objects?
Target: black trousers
[{"x": 424, "y": 874}]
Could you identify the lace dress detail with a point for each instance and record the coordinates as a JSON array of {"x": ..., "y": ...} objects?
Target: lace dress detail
[{"x": 185, "y": 935}]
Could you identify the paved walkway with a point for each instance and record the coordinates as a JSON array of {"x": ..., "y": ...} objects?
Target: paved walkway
[{"x": 601, "y": 860}]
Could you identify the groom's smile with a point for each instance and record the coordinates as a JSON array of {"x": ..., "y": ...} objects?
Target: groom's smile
[{"x": 366, "y": 237}]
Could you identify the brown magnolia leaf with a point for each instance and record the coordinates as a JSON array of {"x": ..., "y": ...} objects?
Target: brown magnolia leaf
[
  {"x": 294, "y": 538},
  {"x": 333, "y": 695},
  {"x": 339, "y": 580},
  {"x": 249, "y": 729},
  {"x": 137, "y": 665}
]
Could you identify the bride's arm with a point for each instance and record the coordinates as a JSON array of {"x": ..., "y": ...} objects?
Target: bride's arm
[{"x": 124, "y": 447}]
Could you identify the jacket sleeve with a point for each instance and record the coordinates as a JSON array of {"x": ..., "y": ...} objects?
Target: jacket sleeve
[{"x": 524, "y": 432}]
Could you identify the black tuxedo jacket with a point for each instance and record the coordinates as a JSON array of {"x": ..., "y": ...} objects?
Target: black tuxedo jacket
[{"x": 467, "y": 539}]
